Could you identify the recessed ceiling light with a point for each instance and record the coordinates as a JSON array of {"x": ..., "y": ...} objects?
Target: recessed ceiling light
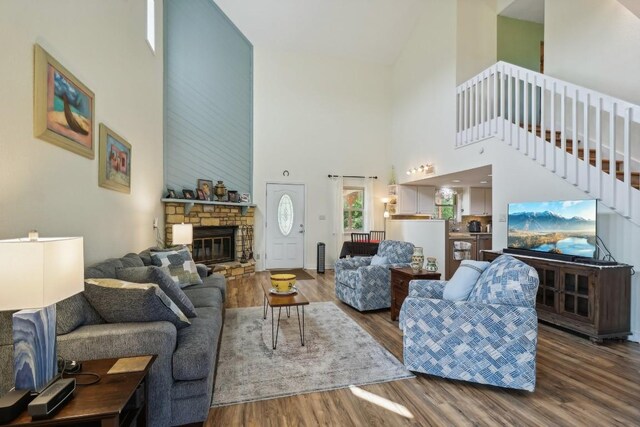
[
  {"x": 484, "y": 182},
  {"x": 455, "y": 181}
]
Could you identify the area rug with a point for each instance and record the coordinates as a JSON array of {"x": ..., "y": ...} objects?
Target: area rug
[
  {"x": 337, "y": 353},
  {"x": 300, "y": 273}
]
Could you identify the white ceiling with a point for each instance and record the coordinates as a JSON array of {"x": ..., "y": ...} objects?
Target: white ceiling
[
  {"x": 367, "y": 30},
  {"x": 466, "y": 178},
  {"x": 525, "y": 10}
]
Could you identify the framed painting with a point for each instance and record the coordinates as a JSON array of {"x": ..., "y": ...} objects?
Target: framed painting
[
  {"x": 63, "y": 107},
  {"x": 115, "y": 161},
  {"x": 206, "y": 186}
]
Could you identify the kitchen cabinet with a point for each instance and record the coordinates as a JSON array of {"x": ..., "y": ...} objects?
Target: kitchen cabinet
[
  {"x": 465, "y": 246},
  {"x": 407, "y": 199},
  {"x": 413, "y": 199},
  {"x": 426, "y": 200},
  {"x": 479, "y": 201}
]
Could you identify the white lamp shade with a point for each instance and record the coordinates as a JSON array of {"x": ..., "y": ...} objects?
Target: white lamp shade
[
  {"x": 182, "y": 234},
  {"x": 39, "y": 273}
]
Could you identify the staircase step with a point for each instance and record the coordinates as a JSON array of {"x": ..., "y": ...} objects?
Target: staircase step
[
  {"x": 546, "y": 131},
  {"x": 569, "y": 144},
  {"x": 606, "y": 163},
  {"x": 592, "y": 153},
  {"x": 635, "y": 177}
]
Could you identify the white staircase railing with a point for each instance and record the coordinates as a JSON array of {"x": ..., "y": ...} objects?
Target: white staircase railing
[{"x": 594, "y": 138}]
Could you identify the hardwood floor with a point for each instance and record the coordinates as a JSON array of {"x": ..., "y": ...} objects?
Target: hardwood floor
[{"x": 578, "y": 383}]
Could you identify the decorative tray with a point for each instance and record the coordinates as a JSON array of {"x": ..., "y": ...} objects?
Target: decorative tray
[{"x": 291, "y": 292}]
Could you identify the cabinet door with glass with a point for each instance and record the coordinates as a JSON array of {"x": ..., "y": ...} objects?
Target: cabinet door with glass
[
  {"x": 548, "y": 288},
  {"x": 577, "y": 294}
]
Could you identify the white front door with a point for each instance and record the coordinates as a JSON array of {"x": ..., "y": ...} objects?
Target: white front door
[{"x": 285, "y": 226}]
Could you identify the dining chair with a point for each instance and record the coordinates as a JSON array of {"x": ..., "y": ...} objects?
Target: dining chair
[
  {"x": 360, "y": 237},
  {"x": 376, "y": 236}
]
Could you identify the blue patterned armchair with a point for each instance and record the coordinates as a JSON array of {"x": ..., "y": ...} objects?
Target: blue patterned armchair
[
  {"x": 490, "y": 339},
  {"x": 367, "y": 287}
]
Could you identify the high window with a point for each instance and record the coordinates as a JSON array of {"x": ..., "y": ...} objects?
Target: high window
[
  {"x": 353, "y": 202},
  {"x": 151, "y": 24}
]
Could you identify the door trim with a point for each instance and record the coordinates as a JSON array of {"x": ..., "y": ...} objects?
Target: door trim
[{"x": 266, "y": 216}]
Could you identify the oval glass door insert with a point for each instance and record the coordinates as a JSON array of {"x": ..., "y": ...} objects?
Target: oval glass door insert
[{"x": 285, "y": 214}]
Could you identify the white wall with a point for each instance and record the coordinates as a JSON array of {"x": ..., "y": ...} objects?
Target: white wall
[
  {"x": 430, "y": 235},
  {"x": 53, "y": 190},
  {"x": 314, "y": 116},
  {"x": 596, "y": 48},
  {"x": 423, "y": 87},
  {"x": 476, "y": 41}
]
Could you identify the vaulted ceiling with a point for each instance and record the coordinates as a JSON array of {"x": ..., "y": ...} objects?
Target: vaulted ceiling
[{"x": 367, "y": 30}]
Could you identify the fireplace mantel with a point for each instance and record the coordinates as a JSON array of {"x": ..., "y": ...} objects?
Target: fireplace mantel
[{"x": 188, "y": 204}]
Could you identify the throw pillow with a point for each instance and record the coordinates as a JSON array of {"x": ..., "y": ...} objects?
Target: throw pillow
[
  {"x": 379, "y": 260},
  {"x": 118, "y": 301},
  {"x": 464, "y": 279},
  {"x": 507, "y": 281},
  {"x": 161, "y": 277},
  {"x": 73, "y": 312},
  {"x": 182, "y": 269}
]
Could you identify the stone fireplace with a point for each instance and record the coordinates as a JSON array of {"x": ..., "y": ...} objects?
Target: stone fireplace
[{"x": 217, "y": 234}]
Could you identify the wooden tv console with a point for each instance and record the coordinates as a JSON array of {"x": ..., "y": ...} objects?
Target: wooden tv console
[{"x": 594, "y": 300}]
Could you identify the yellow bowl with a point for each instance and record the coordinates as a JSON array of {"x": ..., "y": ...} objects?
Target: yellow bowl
[{"x": 283, "y": 282}]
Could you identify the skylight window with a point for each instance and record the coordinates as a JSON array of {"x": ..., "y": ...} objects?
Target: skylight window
[{"x": 151, "y": 24}]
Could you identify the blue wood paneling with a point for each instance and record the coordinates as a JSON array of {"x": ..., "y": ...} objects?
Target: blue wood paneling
[{"x": 208, "y": 97}]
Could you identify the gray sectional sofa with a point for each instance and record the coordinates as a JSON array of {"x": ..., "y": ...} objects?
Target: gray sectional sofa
[{"x": 181, "y": 379}]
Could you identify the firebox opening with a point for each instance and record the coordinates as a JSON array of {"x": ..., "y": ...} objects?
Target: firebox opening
[{"x": 214, "y": 245}]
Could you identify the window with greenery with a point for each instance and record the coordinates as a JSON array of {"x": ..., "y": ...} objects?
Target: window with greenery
[
  {"x": 446, "y": 201},
  {"x": 353, "y": 202}
]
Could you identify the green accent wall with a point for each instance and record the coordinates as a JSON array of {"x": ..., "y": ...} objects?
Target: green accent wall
[{"x": 519, "y": 42}]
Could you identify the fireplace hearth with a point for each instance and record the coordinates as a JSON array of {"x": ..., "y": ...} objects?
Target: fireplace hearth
[{"x": 214, "y": 245}]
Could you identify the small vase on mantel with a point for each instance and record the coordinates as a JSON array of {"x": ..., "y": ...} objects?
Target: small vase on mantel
[
  {"x": 220, "y": 190},
  {"x": 417, "y": 259}
]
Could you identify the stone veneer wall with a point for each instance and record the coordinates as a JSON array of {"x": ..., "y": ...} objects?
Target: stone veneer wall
[{"x": 202, "y": 215}]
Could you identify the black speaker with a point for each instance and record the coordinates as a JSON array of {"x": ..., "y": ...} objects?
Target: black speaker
[
  {"x": 12, "y": 404},
  {"x": 320, "y": 258}
]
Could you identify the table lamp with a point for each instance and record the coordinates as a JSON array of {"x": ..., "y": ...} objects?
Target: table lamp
[
  {"x": 182, "y": 234},
  {"x": 36, "y": 273}
]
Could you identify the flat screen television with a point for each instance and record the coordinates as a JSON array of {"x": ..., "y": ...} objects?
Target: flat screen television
[{"x": 566, "y": 228}]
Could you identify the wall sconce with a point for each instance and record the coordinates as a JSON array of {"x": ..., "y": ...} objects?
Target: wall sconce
[{"x": 426, "y": 169}]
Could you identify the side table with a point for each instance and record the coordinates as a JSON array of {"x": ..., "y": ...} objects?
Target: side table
[
  {"x": 400, "y": 278},
  {"x": 117, "y": 399}
]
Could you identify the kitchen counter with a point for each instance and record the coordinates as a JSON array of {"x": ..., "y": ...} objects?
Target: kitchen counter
[{"x": 467, "y": 234}]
